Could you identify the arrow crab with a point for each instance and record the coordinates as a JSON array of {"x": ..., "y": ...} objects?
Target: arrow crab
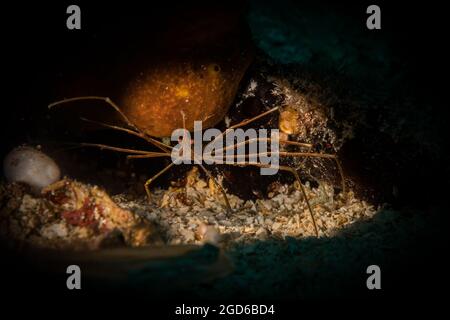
[{"x": 186, "y": 151}]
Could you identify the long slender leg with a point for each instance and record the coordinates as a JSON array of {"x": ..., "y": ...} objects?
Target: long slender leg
[
  {"x": 137, "y": 154},
  {"x": 155, "y": 142},
  {"x": 105, "y": 99},
  {"x": 248, "y": 121},
  {"x": 308, "y": 146},
  {"x": 294, "y": 172},
  {"x": 303, "y": 154},
  {"x": 243, "y": 123},
  {"x": 147, "y": 183},
  {"x": 230, "y": 211},
  {"x": 287, "y": 142},
  {"x": 147, "y": 156},
  {"x": 321, "y": 155},
  {"x": 110, "y": 126},
  {"x": 125, "y": 150}
]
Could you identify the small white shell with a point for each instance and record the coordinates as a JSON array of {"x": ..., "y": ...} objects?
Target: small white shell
[
  {"x": 30, "y": 166},
  {"x": 208, "y": 234}
]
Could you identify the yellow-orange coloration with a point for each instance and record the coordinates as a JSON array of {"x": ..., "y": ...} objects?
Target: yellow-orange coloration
[
  {"x": 289, "y": 121},
  {"x": 156, "y": 100}
]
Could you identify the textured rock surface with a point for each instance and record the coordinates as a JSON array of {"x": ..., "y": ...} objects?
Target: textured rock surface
[{"x": 70, "y": 215}]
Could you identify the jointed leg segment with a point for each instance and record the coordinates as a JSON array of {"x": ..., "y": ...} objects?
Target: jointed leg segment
[{"x": 147, "y": 183}]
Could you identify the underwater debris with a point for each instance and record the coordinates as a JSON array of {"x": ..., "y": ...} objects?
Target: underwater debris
[
  {"x": 72, "y": 216},
  {"x": 208, "y": 234},
  {"x": 193, "y": 213}
]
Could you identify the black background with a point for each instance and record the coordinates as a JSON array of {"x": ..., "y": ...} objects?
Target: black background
[{"x": 37, "y": 48}]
